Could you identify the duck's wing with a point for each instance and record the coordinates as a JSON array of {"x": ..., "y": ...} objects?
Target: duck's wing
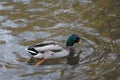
[
  {"x": 49, "y": 45},
  {"x": 45, "y": 43},
  {"x": 52, "y": 46}
]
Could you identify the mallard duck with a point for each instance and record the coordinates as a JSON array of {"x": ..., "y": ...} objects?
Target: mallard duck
[{"x": 52, "y": 49}]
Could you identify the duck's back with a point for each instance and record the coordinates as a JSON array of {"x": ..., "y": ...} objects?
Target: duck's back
[{"x": 47, "y": 45}]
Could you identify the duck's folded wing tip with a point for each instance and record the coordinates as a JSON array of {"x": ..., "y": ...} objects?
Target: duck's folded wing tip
[{"x": 32, "y": 51}]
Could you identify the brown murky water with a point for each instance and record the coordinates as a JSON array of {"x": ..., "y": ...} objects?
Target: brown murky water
[{"x": 26, "y": 22}]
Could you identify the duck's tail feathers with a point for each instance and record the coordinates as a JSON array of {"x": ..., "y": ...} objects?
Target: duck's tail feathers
[{"x": 32, "y": 51}]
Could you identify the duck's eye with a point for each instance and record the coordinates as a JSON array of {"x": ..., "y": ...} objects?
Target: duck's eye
[{"x": 76, "y": 39}]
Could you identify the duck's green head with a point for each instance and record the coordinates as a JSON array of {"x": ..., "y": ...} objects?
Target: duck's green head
[{"x": 74, "y": 38}]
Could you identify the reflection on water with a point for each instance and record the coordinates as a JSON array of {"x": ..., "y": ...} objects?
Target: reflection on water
[{"x": 27, "y": 22}]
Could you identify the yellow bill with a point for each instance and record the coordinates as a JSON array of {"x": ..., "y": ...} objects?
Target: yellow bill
[{"x": 80, "y": 43}]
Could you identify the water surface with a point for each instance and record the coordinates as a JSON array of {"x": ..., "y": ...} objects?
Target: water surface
[{"x": 27, "y": 22}]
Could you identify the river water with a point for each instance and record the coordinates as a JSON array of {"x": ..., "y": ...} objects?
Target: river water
[{"x": 27, "y": 22}]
